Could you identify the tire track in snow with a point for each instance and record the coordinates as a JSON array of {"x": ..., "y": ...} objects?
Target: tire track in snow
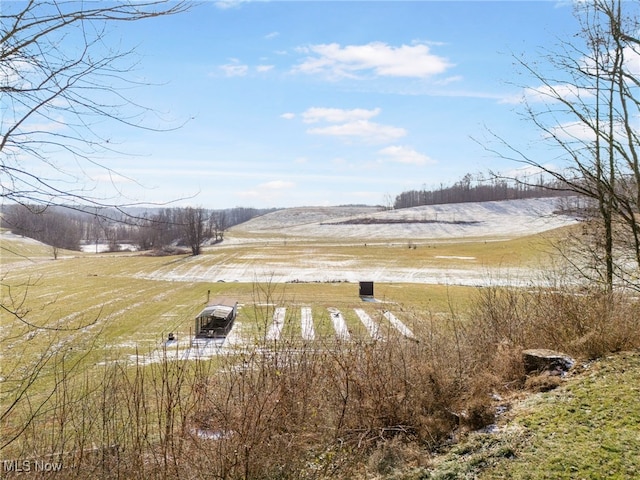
[
  {"x": 372, "y": 327},
  {"x": 235, "y": 338},
  {"x": 401, "y": 327},
  {"x": 339, "y": 325},
  {"x": 275, "y": 330},
  {"x": 308, "y": 332}
]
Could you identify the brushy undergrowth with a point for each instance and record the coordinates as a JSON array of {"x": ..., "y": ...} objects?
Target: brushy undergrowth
[
  {"x": 586, "y": 428},
  {"x": 320, "y": 409}
]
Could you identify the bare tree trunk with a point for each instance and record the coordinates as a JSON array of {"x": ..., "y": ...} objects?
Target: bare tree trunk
[
  {"x": 595, "y": 130},
  {"x": 193, "y": 224}
]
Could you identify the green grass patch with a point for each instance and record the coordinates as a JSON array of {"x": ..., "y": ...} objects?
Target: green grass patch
[
  {"x": 590, "y": 428},
  {"x": 587, "y": 428}
]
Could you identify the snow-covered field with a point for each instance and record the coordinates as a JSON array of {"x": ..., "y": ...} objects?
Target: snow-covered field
[
  {"x": 487, "y": 221},
  {"x": 311, "y": 228},
  {"x": 504, "y": 219}
]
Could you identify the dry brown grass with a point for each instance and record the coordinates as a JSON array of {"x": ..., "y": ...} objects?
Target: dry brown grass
[{"x": 582, "y": 323}]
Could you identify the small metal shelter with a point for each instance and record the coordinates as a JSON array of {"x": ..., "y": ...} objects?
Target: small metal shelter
[{"x": 216, "y": 319}]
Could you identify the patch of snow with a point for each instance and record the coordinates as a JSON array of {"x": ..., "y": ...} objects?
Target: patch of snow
[
  {"x": 203, "y": 348},
  {"x": 460, "y": 220},
  {"x": 328, "y": 271},
  {"x": 308, "y": 333},
  {"x": 339, "y": 325},
  {"x": 7, "y": 235},
  {"x": 372, "y": 327},
  {"x": 275, "y": 329},
  {"x": 210, "y": 434},
  {"x": 104, "y": 247},
  {"x": 401, "y": 327}
]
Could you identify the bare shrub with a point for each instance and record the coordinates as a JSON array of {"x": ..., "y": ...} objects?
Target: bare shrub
[
  {"x": 582, "y": 323},
  {"x": 295, "y": 408}
]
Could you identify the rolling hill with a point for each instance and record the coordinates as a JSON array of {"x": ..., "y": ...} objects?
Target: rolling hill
[{"x": 503, "y": 219}]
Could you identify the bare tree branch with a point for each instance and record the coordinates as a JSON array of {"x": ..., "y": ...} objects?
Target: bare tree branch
[{"x": 59, "y": 81}]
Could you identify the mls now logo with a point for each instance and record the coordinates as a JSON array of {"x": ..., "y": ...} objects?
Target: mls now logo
[{"x": 19, "y": 466}]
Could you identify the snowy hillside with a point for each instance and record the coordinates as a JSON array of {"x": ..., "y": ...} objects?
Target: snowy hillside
[
  {"x": 344, "y": 225},
  {"x": 510, "y": 218}
]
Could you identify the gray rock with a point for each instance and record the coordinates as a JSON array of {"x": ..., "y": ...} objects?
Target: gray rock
[{"x": 543, "y": 360}]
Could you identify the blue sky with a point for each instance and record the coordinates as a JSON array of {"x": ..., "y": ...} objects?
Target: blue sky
[{"x": 326, "y": 103}]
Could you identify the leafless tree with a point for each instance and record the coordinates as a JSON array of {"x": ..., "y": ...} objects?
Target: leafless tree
[
  {"x": 588, "y": 114},
  {"x": 54, "y": 226},
  {"x": 60, "y": 79},
  {"x": 193, "y": 223},
  {"x": 217, "y": 225}
]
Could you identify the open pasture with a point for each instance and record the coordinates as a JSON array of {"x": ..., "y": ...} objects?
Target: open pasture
[
  {"x": 126, "y": 303},
  {"x": 121, "y": 299},
  {"x": 294, "y": 273}
]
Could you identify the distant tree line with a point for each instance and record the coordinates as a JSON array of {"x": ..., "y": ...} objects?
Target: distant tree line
[
  {"x": 53, "y": 226},
  {"x": 154, "y": 229},
  {"x": 479, "y": 189}
]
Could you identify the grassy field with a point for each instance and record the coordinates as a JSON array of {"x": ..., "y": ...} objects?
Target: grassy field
[
  {"x": 132, "y": 303},
  {"x": 104, "y": 306},
  {"x": 120, "y": 304},
  {"x": 89, "y": 310}
]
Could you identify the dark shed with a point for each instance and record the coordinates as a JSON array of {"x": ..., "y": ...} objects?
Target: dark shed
[{"x": 366, "y": 289}]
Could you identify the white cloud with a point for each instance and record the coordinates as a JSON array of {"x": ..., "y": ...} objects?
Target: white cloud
[
  {"x": 277, "y": 185},
  {"x": 578, "y": 131},
  {"x": 630, "y": 55},
  {"x": 552, "y": 92},
  {"x": 337, "y": 115},
  {"x": 449, "y": 80},
  {"x": 632, "y": 60},
  {"x": 335, "y": 61},
  {"x": 288, "y": 116},
  {"x": 227, "y": 4},
  {"x": 572, "y": 131},
  {"x": 56, "y": 124},
  {"x": 15, "y": 73},
  {"x": 268, "y": 192},
  {"x": 362, "y": 129},
  {"x": 234, "y": 69},
  {"x": 264, "y": 68},
  {"x": 271, "y": 35},
  {"x": 353, "y": 123},
  {"x": 571, "y": 92},
  {"x": 548, "y": 93},
  {"x": 400, "y": 154}
]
